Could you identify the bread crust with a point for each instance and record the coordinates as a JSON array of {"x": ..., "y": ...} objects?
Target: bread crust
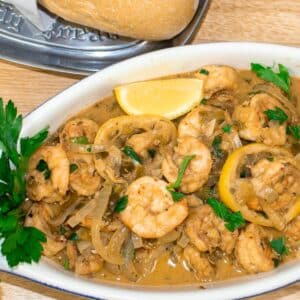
[{"x": 139, "y": 19}]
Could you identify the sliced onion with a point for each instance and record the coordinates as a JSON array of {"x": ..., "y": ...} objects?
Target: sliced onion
[
  {"x": 236, "y": 141},
  {"x": 129, "y": 270},
  {"x": 210, "y": 127},
  {"x": 137, "y": 241},
  {"x": 83, "y": 245},
  {"x": 87, "y": 149},
  {"x": 169, "y": 238},
  {"x": 183, "y": 241}
]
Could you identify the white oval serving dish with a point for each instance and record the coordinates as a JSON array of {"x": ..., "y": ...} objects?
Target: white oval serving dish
[{"x": 175, "y": 60}]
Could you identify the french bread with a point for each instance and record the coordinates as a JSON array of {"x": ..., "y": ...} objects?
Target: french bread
[{"x": 139, "y": 19}]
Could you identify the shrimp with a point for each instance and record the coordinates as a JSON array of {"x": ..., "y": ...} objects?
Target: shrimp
[
  {"x": 78, "y": 128},
  {"x": 38, "y": 216},
  {"x": 254, "y": 124},
  {"x": 207, "y": 232},
  {"x": 205, "y": 122},
  {"x": 48, "y": 174},
  {"x": 142, "y": 133},
  {"x": 292, "y": 232},
  {"x": 199, "y": 263},
  {"x": 198, "y": 169},
  {"x": 88, "y": 264},
  {"x": 219, "y": 78},
  {"x": 151, "y": 211},
  {"x": 252, "y": 250},
  {"x": 84, "y": 179}
]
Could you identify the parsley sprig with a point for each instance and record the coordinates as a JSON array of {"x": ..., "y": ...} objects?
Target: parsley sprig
[
  {"x": 129, "y": 151},
  {"x": 233, "y": 220},
  {"x": 279, "y": 246},
  {"x": 281, "y": 78},
  {"x": 19, "y": 243},
  {"x": 276, "y": 114},
  {"x": 294, "y": 130},
  {"x": 172, "y": 188}
]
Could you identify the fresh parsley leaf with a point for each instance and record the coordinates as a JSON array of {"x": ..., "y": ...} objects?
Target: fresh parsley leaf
[
  {"x": 62, "y": 230},
  {"x": 280, "y": 79},
  {"x": 216, "y": 145},
  {"x": 121, "y": 204},
  {"x": 172, "y": 188},
  {"x": 276, "y": 262},
  {"x": 233, "y": 220},
  {"x": 278, "y": 245},
  {"x": 226, "y": 128},
  {"x": 276, "y": 114},
  {"x": 294, "y": 130},
  {"x": 129, "y": 151},
  {"x": 73, "y": 168},
  {"x": 73, "y": 237},
  {"x": 20, "y": 244},
  {"x": 203, "y": 101},
  {"x": 204, "y": 72},
  {"x": 151, "y": 152},
  {"x": 82, "y": 140}
]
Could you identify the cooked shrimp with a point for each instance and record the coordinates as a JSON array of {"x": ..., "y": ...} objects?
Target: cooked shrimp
[
  {"x": 292, "y": 232},
  {"x": 207, "y": 232},
  {"x": 219, "y": 78},
  {"x": 198, "y": 169},
  {"x": 78, "y": 128},
  {"x": 84, "y": 179},
  {"x": 199, "y": 263},
  {"x": 254, "y": 124},
  {"x": 38, "y": 216},
  {"x": 253, "y": 251},
  {"x": 49, "y": 183},
  {"x": 151, "y": 211},
  {"x": 88, "y": 264}
]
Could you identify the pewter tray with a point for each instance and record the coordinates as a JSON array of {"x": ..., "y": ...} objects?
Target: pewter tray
[{"x": 68, "y": 47}]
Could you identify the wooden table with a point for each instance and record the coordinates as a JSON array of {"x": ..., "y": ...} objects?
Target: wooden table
[{"x": 273, "y": 21}]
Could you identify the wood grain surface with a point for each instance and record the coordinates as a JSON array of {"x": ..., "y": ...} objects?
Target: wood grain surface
[{"x": 273, "y": 21}]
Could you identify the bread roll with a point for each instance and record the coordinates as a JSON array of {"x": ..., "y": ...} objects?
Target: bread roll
[{"x": 139, "y": 19}]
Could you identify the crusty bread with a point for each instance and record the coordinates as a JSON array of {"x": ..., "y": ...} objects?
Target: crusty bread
[{"x": 140, "y": 19}]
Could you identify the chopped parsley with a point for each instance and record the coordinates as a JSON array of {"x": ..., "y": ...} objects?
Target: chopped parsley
[
  {"x": 276, "y": 114},
  {"x": 172, "y": 188},
  {"x": 233, "y": 220},
  {"x": 294, "y": 130},
  {"x": 129, "y": 151},
  {"x": 280, "y": 79},
  {"x": 42, "y": 167},
  {"x": 203, "y": 101},
  {"x": 216, "y": 145},
  {"x": 73, "y": 168},
  {"x": 19, "y": 243},
  {"x": 204, "y": 72},
  {"x": 67, "y": 264},
  {"x": 151, "y": 152},
  {"x": 82, "y": 140},
  {"x": 73, "y": 237},
  {"x": 226, "y": 128},
  {"x": 278, "y": 245},
  {"x": 121, "y": 204}
]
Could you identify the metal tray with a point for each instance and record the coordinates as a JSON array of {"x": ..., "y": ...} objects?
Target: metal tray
[{"x": 68, "y": 47}]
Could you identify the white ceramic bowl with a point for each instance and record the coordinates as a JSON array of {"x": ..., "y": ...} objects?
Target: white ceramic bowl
[{"x": 176, "y": 60}]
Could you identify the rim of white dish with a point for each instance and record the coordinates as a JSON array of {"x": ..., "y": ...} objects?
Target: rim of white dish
[{"x": 244, "y": 286}]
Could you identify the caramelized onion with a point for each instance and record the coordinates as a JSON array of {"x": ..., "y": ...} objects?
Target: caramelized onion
[
  {"x": 183, "y": 241},
  {"x": 87, "y": 149}
]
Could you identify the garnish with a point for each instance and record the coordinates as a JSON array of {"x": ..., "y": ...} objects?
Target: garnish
[
  {"x": 280, "y": 79},
  {"x": 233, "y": 220},
  {"x": 276, "y": 114},
  {"x": 67, "y": 264},
  {"x": 278, "y": 245},
  {"x": 73, "y": 168},
  {"x": 81, "y": 140},
  {"x": 73, "y": 237},
  {"x": 121, "y": 204},
  {"x": 19, "y": 243},
  {"x": 294, "y": 130},
  {"x": 152, "y": 152},
  {"x": 42, "y": 167},
  {"x": 216, "y": 144},
  {"x": 226, "y": 128},
  {"x": 132, "y": 154},
  {"x": 172, "y": 188},
  {"x": 204, "y": 72},
  {"x": 203, "y": 101}
]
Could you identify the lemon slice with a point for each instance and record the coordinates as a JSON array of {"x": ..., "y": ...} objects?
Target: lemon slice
[
  {"x": 169, "y": 98},
  {"x": 229, "y": 175}
]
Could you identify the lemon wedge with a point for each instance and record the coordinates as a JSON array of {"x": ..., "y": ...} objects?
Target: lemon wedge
[{"x": 169, "y": 98}]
